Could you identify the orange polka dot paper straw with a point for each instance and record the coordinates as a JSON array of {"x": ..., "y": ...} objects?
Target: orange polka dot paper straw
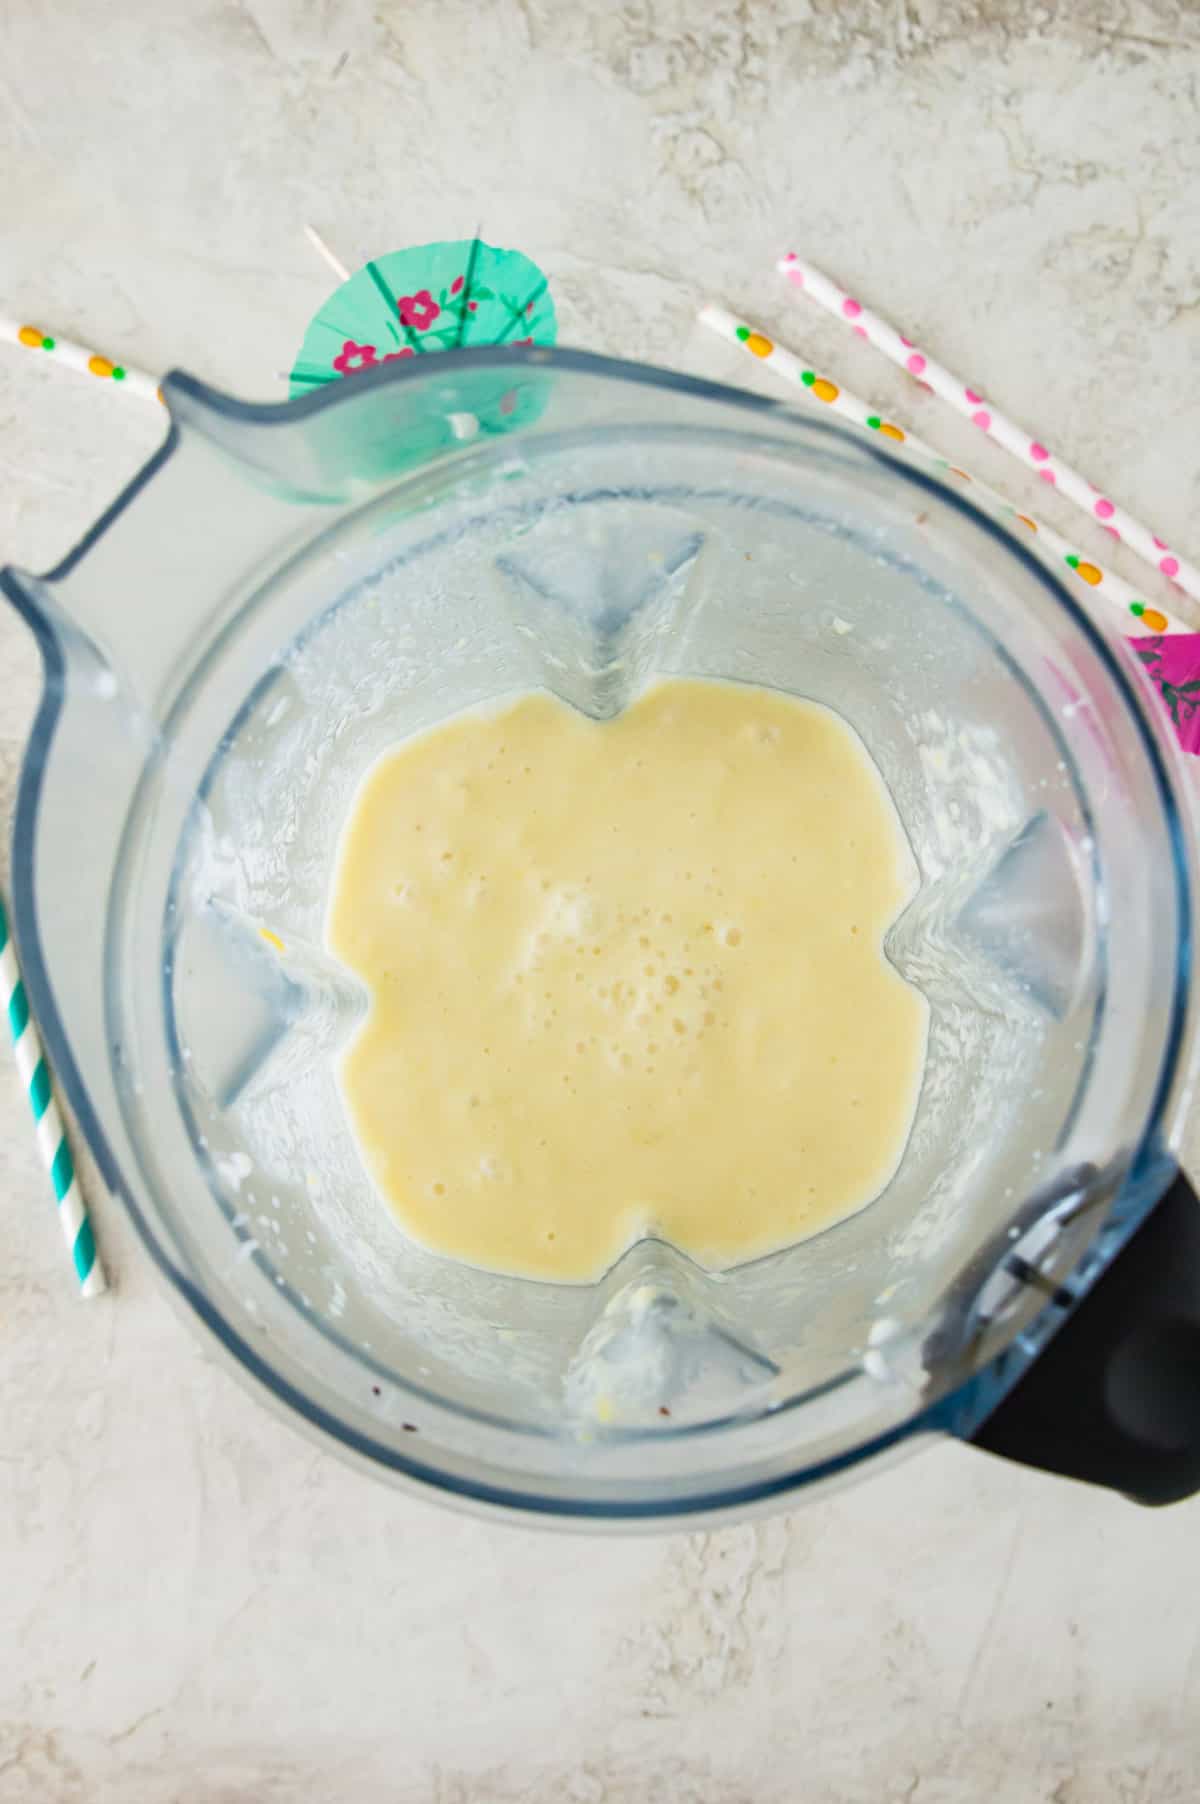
[
  {"x": 983, "y": 413},
  {"x": 1138, "y": 616},
  {"x": 84, "y": 362}
]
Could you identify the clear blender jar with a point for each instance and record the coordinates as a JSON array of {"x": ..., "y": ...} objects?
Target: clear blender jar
[{"x": 284, "y": 592}]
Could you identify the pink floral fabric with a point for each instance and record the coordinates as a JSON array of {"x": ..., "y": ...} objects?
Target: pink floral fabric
[{"x": 1172, "y": 662}]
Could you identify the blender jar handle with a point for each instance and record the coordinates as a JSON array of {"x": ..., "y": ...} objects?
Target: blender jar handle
[{"x": 1115, "y": 1398}]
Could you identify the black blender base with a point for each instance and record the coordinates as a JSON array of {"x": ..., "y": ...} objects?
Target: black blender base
[{"x": 1115, "y": 1398}]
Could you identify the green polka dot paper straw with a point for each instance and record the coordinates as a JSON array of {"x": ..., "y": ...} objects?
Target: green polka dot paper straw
[
  {"x": 84, "y": 362},
  {"x": 1138, "y": 616},
  {"x": 52, "y": 1141},
  {"x": 1046, "y": 463}
]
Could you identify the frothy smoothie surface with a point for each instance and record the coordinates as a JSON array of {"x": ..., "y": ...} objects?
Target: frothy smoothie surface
[{"x": 627, "y": 977}]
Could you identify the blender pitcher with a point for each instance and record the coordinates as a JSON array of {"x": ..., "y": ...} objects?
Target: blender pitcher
[{"x": 286, "y": 591}]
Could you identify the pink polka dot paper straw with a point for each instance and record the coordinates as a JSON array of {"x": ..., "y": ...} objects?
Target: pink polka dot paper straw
[
  {"x": 984, "y": 414},
  {"x": 1138, "y": 616}
]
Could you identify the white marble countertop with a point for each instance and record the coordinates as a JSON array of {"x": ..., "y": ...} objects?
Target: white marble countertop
[{"x": 196, "y": 1606}]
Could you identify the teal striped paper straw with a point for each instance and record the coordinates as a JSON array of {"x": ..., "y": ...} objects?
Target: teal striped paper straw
[{"x": 52, "y": 1141}]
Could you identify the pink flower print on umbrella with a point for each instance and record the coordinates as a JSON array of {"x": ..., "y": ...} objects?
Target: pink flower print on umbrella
[
  {"x": 418, "y": 310},
  {"x": 432, "y": 297},
  {"x": 354, "y": 357}
]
